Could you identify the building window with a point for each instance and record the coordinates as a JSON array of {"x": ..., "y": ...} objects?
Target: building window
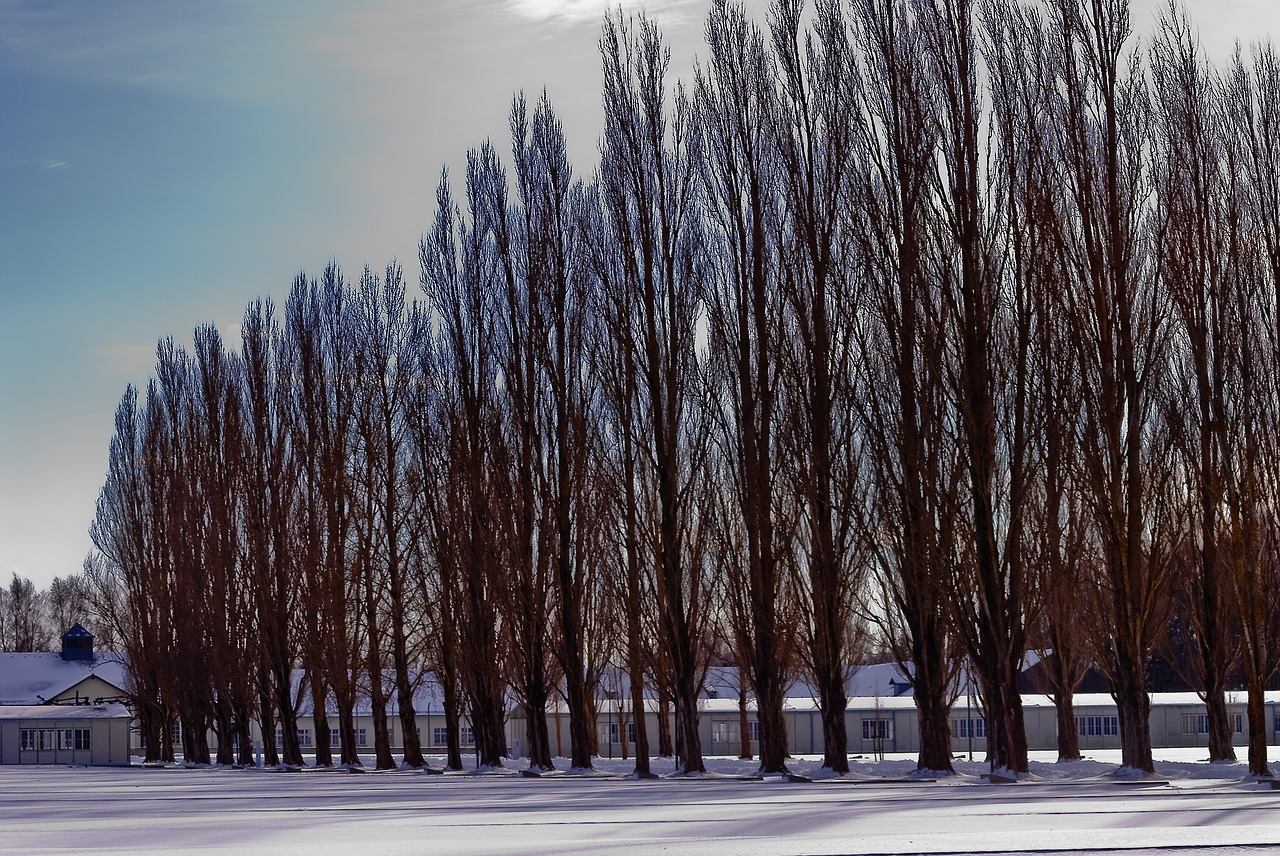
[
  {"x": 54, "y": 739},
  {"x": 72, "y": 739},
  {"x": 615, "y": 732},
  {"x": 877, "y": 729},
  {"x": 1198, "y": 723},
  {"x": 724, "y": 732},
  {"x": 362, "y": 738},
  {"x": 439, "y": 736},
  {"x": 175, "y": 732},
  {"x": 335, "y": 737},
  {"x": 468, "y": 736},
  {"x": 304, "y": 737},
  {"x": 1098, "y": 726},
  {"x": 753, "y": 729},
  {"x": 975, "y": 727}
]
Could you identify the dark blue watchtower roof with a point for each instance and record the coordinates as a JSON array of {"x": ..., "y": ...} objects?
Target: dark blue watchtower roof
[{"x": 77, "y": 643}]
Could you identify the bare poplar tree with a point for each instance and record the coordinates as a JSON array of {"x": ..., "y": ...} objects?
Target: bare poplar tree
[
  {"x": 625, "y": 474},
  {"x": 330, "y": 413},
  {"x": 1252, "y": 261},
  {"x": 987, "y": 315},
  {"x": 457, "y": 266},
  {"x": 441, "y": 508},
  {"x": 383, "y": 366},
  {"x": 815, "y": 137},
  {"x": 1117, "y": 315},
  {"x": 518, "y": 463},
  {"x": 217, "y": 431},
  {"x": 547, "y": 395},
  {"x": 305, "y": 351},
  {"x": 913, "y": 467},
  {"x": 736, "y": 105},
  {"x": 1194, "y": 226},
  {"x": 1053, "y": 542},
  {"x": 171, "y": 400},
  {"x": 268, "y": 486},
  {"x": 124, "y": 530},
  {"x": 649, "y": 157}
]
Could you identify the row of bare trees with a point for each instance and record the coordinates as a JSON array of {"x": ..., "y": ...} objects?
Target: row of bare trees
[
  {"x": 948, "y": 326},
  {"x": 32, "y": 619}
]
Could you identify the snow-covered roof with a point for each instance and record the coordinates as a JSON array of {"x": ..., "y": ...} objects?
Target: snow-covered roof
[
  {"x": 29, "y": 679},
  {"x": 1083, "y": 703},
  {"x": 879, "y": 679},
  {"x": 807, "y": 703},
  {"x": 723, "y": 682},
  {"x": 64, "y": 711},
  {"x": 1189, "y": 699}
]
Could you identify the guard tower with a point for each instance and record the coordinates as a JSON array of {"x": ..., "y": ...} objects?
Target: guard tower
[{"x": 77, "y": 643}]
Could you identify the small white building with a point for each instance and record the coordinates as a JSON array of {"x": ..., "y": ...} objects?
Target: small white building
[
  {"x": 64, "y": 707},
  {"x": 96, "y": 735}
]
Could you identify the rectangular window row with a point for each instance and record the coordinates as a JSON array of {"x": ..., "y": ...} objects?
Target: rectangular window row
[
  {"x": 615, "y": 732},
  {"x": 1098, "y": 726},
  {"x": 440, "y": 736},
  {"x": 1198, "y": 723},
  {"x": 335, "y": 738},
  {"x": 877, "y": 729},
  {"x": 975, "y": 727},
  {"x": 724, "y": 731},
  {"x": 61, "y": 739}
]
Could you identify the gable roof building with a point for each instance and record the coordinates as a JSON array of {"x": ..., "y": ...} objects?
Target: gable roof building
[{"x": 63, "y": 707}]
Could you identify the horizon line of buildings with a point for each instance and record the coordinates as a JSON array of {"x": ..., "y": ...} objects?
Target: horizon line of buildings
[{"x": 72, "y": 707}]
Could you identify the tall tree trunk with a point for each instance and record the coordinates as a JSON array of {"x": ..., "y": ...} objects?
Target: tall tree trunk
[{"x": 320, "y": 721}]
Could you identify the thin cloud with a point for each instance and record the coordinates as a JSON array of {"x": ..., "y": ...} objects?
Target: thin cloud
[
  {"x": 55, "y": 164},
  {"x": 231, "y": 51},
  {"x": 575, "y": 12}
]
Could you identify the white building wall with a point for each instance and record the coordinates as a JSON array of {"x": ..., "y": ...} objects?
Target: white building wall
[{"x": 46, "y": 726}]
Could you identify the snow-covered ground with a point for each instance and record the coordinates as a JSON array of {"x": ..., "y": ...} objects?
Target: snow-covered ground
[{"x": 1065, "y": 809}]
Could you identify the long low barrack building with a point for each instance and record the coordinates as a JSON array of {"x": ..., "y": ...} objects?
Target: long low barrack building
[{"x": 82, "y": 735}]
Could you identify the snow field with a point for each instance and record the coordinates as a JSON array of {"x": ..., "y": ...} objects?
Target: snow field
[{"x": 1190, "y": 806}]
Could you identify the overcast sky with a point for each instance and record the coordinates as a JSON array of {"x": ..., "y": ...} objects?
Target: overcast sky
[{"x": 161, "y": 164}]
